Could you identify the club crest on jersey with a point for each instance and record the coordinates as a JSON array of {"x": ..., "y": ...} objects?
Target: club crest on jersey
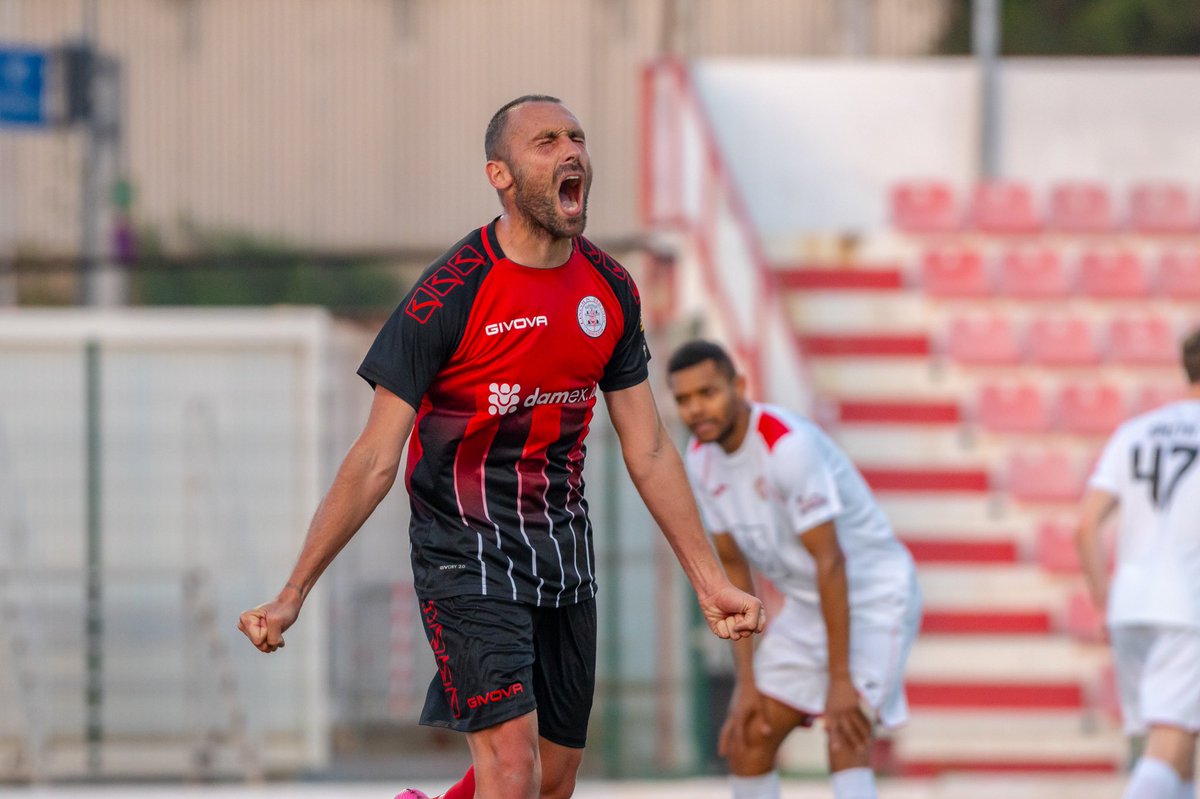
[
  {"x": 592, "y": 319},
  {"x": 503, "y": 398}
]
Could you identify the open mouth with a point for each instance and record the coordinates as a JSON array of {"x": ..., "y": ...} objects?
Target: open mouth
[{"x": 570, "y": 195}]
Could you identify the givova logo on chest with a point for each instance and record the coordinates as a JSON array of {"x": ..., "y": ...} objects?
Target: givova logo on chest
[{"x": 520, "y": 323}]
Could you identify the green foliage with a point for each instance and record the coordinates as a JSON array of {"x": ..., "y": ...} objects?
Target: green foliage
[
  {"x": 231, "y": 268},
  {"x": 1085, "y": 28}
]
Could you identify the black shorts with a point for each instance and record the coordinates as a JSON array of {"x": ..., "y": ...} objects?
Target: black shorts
[{"x": 497, "y": 660}]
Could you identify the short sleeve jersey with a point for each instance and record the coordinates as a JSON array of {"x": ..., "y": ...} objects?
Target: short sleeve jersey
[
  {"x": 786, "y": 478},
  {"x": 1151, "y": 464},
  {"x": 502, "y": 363}
]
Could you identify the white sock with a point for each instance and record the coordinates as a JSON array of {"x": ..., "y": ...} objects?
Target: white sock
[
  {"x": 1187, "y": 790},
  {"x": 1152, "y": 779},
  {"x": 854, "y": 783},
  {"x": 764, "y": 786}
]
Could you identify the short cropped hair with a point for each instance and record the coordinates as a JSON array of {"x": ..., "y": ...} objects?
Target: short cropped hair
[
  {"x": 1191, "y": 357},
  {"x": 697, "y": 352},
  {"x": 493, "y": 140}
]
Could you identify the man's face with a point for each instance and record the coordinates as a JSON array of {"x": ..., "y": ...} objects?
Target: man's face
[
  {"x": 707, "y": 399},
  {"x": 551, "y": 170}
]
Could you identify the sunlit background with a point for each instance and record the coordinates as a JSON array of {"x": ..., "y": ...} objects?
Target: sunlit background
[{"x": 963, "y": 236}]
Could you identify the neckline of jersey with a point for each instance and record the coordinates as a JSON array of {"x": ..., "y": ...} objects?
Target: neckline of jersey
[{"x": 498, "y": 256}]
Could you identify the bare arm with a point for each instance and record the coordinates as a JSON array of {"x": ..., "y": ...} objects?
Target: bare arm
[
  {"x": 657, "y": 473},
  {"x": 1096, "y": 507},
  {"x": 846, "y": 724},
  {"x": 362, "y": 481}
]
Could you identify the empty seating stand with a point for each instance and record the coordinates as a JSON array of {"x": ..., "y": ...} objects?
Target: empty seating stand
[
  {"x": 1034, "y": 273},
  {"x": 1162, "y": 209},
  {"x": 1004, "y": 207},
  {"x": 1013, "y": 407},
  {"x": 983, "y": 340},
  {"x": 1090, "y": 409},
  {"x": 1062, "y": 340},
  {"x": 955, "y": 271},
  {"x": 1113, "y": 273}
]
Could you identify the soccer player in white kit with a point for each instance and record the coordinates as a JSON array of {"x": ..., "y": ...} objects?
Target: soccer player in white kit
[
  {"x": 779, "y": 496},
  {"x": 1150, "y": 470}
]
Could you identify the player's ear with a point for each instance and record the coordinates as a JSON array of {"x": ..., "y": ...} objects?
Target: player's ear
[
  {"x": 499, "y": 175},
  {"x": 739, "y": 386}
]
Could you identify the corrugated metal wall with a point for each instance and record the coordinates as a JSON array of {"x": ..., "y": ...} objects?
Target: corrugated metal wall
[{"x": 357, "y": 124}]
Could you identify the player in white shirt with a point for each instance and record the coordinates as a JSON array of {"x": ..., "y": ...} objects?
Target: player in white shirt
[
  {"x": 1150, "y": 470},
  {"x": 779, "y": 496}
]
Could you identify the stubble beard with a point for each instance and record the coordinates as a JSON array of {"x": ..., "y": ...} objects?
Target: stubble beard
[{"x": 540, "y": 208}]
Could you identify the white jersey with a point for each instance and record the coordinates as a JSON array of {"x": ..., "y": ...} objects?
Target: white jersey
[
  {"x": 1152, "y": 465},
  {"x": 785, "y": 479}
]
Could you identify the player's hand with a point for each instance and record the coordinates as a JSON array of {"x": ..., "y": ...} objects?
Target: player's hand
[
  {"x": 732, "y": 613},
  {"x": 746, "y": 723},
  {"x": 846, "y": 723},
  {"x": 265, "y": 624}
]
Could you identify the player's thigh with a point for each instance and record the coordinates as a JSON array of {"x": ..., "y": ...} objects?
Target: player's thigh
[
  {"x": 484, "y": 652},
  {"x": 1170, "y": 683},
  {"x": 881, "y": 637},
  {"x": 564, "y": 671}
]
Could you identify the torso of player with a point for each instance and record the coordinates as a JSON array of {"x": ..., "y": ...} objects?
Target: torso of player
[
  {"x": 504, "y": 363},
  {"x": 1152, "y": 465},
  {"x": 785, "y": 478}
]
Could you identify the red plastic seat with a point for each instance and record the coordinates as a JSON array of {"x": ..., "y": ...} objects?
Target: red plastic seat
[
  {"x": 1090, "y": 408},
  {"x": 1142, "y": 341},
  {"x": 1012, "y": 408},
  {"x": 1113, "y": 274},
  {"x": 1004, "y": 206},
  {"x": 925, "y": 206},
  {"x": 955, "y": 272},
  {"x": 1055, "y": 545},
  {"x": 1080, "y": 208},
  {"x": 1062, "y": 341},
  {"x": 983, "y": 340},
  {"x": 1162, "y": 208},
  {"x": 1179, "y": 274},
  {"x": 1050, "y": 476},
  {"x": 1034, "y": 273},
  {"x": 1156, "y": 395}
]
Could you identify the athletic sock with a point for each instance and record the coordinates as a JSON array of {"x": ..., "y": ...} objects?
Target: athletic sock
[
  {"x": 1152, "y": 779},
  {"x": 1187, "y": 790},
  {"x": 463, "y": 789},
  {"x": 764, "y": 786},
  {"x": 854, "y": 783}
]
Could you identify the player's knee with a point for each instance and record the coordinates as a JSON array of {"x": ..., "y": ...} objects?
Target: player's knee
[{"x": 558, "y": 786}]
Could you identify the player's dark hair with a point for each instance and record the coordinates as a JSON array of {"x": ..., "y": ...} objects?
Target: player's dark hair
[
  {"x": 697, "y": 352},
  {"x": 1191, "y": 357},
  {"x": 493, "y": 140}
]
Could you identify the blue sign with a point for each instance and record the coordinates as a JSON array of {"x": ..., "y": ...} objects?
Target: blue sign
[{"x": 23, "y": 87}]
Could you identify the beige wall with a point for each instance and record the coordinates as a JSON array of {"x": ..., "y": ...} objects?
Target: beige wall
[{"x": 357, "y": 124}]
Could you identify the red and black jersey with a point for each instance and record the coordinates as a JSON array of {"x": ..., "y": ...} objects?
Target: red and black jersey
[{"x": 502, "y": 363}]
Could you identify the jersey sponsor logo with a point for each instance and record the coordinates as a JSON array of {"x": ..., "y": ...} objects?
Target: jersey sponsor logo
[
  {"x": 592, "y": 319},
  {"x": 503, "y": 398},
  {"x": 520, "y": 323},
  {"x": 811, "y": 503},
  {"x": 566, "y": 397},
  {"x": 497, "y": 695}
]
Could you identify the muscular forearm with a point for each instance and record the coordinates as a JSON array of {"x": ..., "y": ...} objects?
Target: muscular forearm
[
  {"x": 835, "y": 610},
  {"x": 1092, "y": 563},
  {"x": 361, "y": 483},
  {"x": 657, "y": 473}
]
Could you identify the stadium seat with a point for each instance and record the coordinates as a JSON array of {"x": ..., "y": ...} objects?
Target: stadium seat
[
  {"x": 1142, "y": 341},
  {"x": 1004, "y": 206},
  {"x": 1179, "y": 274},
  {"x": 1156, "y": 395},
  {"x": 983, "y": 340},
  {"x": 1090, "y": 408},
  {"x": 1080, "y": 208},
  {"x": 925, "y": 206},
  {"x": 1049, "y": 476},
  {"x": 1012, "y": 408},
  {"x": 1162, "y": 208},
  {"x": 1034, "y": 273},
  {"x": 1055, "y": 546},
  {"x": 955, "y": 272},
  {"x": 1114, "y": 274},
  {"x": 1060, "y": 340}
]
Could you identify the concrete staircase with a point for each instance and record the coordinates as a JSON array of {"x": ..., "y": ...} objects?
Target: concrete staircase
[{"x": 998, "y": 681}]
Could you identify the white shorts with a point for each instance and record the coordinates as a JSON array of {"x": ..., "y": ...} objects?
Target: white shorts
[
  {"x": 1158, "y": 676},
  {"x": 792, "y": 663}
]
